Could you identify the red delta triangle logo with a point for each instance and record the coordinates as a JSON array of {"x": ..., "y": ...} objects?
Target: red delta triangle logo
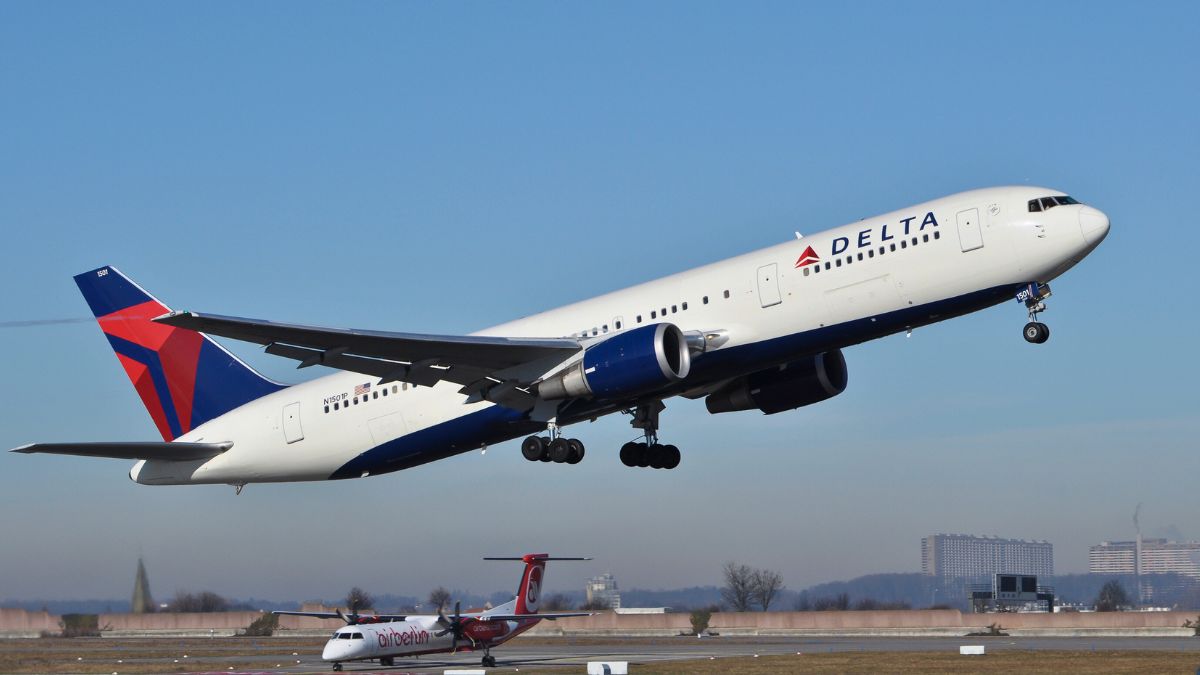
[{"x": 809, "y": 257}]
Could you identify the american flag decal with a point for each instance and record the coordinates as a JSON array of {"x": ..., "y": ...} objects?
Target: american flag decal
[{"x": 362, "y": 389}]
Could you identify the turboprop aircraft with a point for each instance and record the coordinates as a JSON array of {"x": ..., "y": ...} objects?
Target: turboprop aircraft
[
  {"x": 761, "y": 331},
  {"x": 387, "y": 636}
]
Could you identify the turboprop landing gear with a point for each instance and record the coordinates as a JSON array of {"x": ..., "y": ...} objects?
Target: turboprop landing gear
[
  {"x": 337, "y": 667},
  {"x": 489, "y": 661},
  {"x": 649, "y": 453},
  {"x": 1033, "y": 295},
  {"x": 553, "y": 448}
]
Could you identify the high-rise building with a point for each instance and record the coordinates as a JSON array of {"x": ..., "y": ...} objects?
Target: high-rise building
[
  {"x": 965, "y": 556},
  {"x": 1158, "y": 556},
  {"x": 603, "y": 589},
  {"x": 141, "y": 602}
]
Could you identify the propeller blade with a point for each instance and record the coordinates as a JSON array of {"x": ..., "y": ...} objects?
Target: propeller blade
[{"x": 350, "y": 620}]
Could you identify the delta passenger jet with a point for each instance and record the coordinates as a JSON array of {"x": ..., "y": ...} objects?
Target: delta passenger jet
[{"x": 761, "y": 331}]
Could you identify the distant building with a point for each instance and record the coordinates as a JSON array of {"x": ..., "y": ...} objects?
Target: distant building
[
  {"x": 603, "y": 589},
  {"x": 965, "y": 556},
  {"x": 1158, "y": 556},
  {"x": 142, "y": 602}
]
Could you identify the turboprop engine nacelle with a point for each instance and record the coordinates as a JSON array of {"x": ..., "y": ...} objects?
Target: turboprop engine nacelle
[{"x": 625, "y": 365}]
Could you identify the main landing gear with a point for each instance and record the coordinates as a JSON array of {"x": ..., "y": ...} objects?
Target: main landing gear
[
  {"x": 553, "y": 448},
  {"x": 337, "y": 667},
  {"x": 1033, "y": 295},
  {"x": 649, "y": 453},
  {"x": 489, "y": 661}
]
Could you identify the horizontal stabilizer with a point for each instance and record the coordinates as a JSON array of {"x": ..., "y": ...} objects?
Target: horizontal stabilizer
[
  {"x": 178, "y": 451},
  {"x": 540, "y": 615}
]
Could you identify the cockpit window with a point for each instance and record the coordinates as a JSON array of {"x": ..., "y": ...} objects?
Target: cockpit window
[
  {"x": 356, "y": 636},
  {"x": 1047, "y": 203}
]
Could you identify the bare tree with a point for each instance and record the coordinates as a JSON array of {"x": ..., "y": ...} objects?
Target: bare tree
[
  {"x": 765, "y": 585},
  {"x": 803, "y": 603},
  {"x": 205, "y": 601},
  {"x": 558, "y": 602},
  {"x": 738, "y": 591},
  {"x": 596, "y": 604},
  {"x": 439, "y": 597},
  {"x": 1112, "y": 597},
  {"x": 358, "y": 599}
]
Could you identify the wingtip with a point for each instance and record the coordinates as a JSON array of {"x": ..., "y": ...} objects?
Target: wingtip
[{"x": 26, "y": 449}]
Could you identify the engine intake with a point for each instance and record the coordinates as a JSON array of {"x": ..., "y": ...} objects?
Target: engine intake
[
  {"x": 625, "y": 365},
  {"x": 786, "y": 387}
]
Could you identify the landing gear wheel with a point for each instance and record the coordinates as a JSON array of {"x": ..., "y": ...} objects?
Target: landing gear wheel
[
  {"x": 560, "y": 450},
  {"x": 489, "y": 662},
  {"x": 629, "y": 453},
  {"x": 337, "y": 667},
  {"x": 671, "y": 457},
  {"x": 1036, "y": 332},
  {"x": 532, "y": 448},
  {"x": 657, "y": 456},
  {"x": 577, "y": 451},
  {"x": 643, "y": 457},
  {"x": 388, "y": 661}
]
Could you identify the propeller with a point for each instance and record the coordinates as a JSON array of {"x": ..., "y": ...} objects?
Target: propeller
[
  {"x": 453, "y": 626},
  {"x": 350, "y": 619}
]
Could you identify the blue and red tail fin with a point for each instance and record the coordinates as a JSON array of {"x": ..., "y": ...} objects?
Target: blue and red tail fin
[{"x": 184, "y": 378}]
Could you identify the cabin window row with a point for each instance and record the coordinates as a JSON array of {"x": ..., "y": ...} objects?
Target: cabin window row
[
  {"x": 654, "y": 314},
  {"x": 345, "y": 404},
  {"x": 871, "y": 253}
]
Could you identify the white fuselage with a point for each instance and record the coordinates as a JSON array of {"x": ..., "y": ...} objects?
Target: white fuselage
[{"x": 910, "y": 267}]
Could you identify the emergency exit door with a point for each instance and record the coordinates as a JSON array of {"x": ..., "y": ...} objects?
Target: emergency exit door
[
  {"x": 768, "y": 285},
  {"x": 970, "y": 235},
  {"x": 292, "y": 431}
]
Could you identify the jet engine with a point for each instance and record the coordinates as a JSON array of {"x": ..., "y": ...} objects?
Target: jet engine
[
  {"x": 792, "y": 385},
  {"x": 625, "y": 365}
]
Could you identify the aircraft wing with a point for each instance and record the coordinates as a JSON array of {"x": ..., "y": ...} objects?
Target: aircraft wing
[
  {"x": 497, "y": 369},
  {"x": 173, "y": 451},
  {"x": 371, "y": 618}
]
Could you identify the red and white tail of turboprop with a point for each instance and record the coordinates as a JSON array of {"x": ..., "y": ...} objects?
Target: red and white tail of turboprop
[{"x": 530, "y": 590}]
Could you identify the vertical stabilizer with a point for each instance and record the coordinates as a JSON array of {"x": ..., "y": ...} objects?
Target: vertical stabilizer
[{"x": 184, "y": 378}]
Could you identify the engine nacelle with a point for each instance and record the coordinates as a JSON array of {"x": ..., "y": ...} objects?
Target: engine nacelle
[
  {"x": 625, "y": 365},
  {"x": 789, "y": 386}
]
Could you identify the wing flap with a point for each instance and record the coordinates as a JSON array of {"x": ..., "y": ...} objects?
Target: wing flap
[{"x": 179, "y": 451}]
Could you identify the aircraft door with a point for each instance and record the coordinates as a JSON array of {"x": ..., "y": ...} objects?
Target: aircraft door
[
  {"x": 970, "y": 234},
  {"x": 292, "y": 431},
  {"x": 768, "y": 285}
]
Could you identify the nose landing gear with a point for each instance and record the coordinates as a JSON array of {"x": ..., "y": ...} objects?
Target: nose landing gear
[{"x": 1033, "y": 295}]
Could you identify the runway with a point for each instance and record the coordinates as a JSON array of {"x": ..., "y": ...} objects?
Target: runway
[{"x": 541, "y": 653}]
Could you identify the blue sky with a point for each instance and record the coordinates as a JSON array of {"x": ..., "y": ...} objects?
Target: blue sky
[{"x": 445, "y": 167}]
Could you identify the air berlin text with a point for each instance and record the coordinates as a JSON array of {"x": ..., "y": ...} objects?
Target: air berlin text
[{"x": 390, "y": 637}]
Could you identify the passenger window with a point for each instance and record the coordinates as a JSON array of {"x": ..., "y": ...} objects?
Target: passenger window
[
  {"x": 604, "y": 328},
  {"x": 839, "y": 262},
  {"x": 827, "y": 265},
  {"x": 914, "y": 241},
  {"x": 393, "y": 388},
  {"x": 816, "y": 269},
  {"x": 375, "y": 394},
  {"x": 937, "y": 235},
  {"x": 335, "y": 406},
  {"x": 705, "y": 300},
  {"x": 674, "y": 308},
  {"x": 903, "y": 244},
  {"x": 639, "y": 318},
  {"x": 618, "y": 326},
  {"x": 664, "y": 311},
  {"x": 326, "y": 408},
  {"x": 860, "y": 256},
  {"x": 925, "y": 238},
  {"x": 653, "y": 314},
  {"x": 871, "y": 253},
  {"x": 893, "y": 248},
  {"x": 355, "y": 400},
  {"x": 726, "y": 294},
  {"x": 805, "y": 271},
  {"x": 684, "y": 306}
]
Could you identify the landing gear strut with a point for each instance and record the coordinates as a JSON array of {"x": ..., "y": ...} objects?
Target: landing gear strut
[
  {"x": 649, "y": 453},
  {"x": 1033, "y": 295},
  {"x": 489, "y": 661},
  {"x": 553, "y": 448}
]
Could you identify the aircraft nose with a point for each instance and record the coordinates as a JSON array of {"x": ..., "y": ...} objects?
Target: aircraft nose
[{"x": 1094, "y": 224}]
